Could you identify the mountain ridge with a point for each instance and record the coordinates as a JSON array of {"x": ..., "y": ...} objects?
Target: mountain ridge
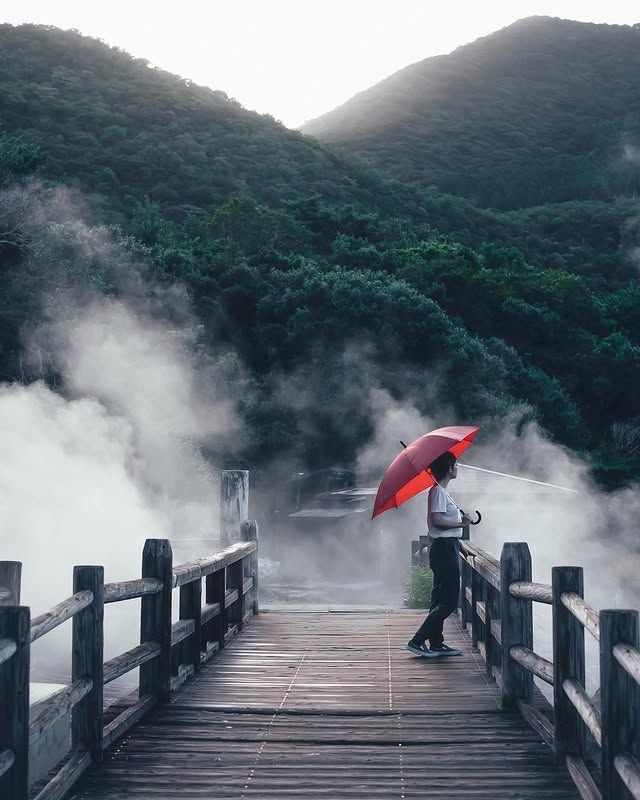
[{"x": 564, "y": 93}]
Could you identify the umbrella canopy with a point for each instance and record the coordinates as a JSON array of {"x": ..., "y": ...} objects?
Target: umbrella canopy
[{"x": 408, "y": 473}]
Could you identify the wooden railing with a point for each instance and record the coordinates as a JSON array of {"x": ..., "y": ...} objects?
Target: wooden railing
[
  {"x": 497, "y": 602},
  {"x": 167, "y": 654}
]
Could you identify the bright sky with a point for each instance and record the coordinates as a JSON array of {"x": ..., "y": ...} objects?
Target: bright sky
[{"x": 296, "y": 59}]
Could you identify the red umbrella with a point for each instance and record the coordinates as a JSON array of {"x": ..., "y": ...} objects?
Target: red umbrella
[{"x": 408, "y": 473}]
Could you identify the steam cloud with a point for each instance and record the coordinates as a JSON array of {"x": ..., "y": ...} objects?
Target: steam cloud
[{"x": 87, "y": 476}]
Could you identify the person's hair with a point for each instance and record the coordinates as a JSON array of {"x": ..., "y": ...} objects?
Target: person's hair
[{"x": 442, "y": 464}]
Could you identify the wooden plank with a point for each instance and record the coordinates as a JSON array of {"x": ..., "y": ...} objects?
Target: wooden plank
[
  {"x": 87, "y": 662},
  {"x": 129, "y": 590},
  {"x": 121, "y": 724},
  {"x": 14, "y": 701},
  {"x": 155, "y": 619},
  {"x": 618, "y": 694},
  {"x": 582, "y": 779},
  {"x": 331, "y": 705},
  {"x": 516, "y": 616},
  {"x": 10, "y": 580},
  {"x": 481, "y": 610},
  {"x": 131, "y": 659},
  {"x": 60, "y": 613},
  {"x": 568, "y": 665},
  {"x": 58, "y": 786},
  {"x": 57, "y": 707}
]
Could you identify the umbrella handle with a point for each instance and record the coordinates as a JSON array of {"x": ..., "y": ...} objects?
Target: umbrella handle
[{"x": 478, "y": 520}]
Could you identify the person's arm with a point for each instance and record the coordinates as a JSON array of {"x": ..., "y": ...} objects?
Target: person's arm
[{"x": 439, "y": 520}]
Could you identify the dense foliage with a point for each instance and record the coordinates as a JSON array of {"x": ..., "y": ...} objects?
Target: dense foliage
[
  {"x": 543, "y": 111},
  {"x": 323, "y": 275}
]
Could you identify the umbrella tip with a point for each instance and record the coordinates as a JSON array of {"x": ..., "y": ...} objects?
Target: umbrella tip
[{"x": 403, "y": 444}]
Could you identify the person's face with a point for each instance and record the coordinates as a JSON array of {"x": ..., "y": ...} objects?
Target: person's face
[{"x": 453, "y": 470}]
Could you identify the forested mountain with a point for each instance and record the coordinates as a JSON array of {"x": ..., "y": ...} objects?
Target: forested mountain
[
  {"x": 299, "y": 257},
  {"x": 543, "y": 111}
]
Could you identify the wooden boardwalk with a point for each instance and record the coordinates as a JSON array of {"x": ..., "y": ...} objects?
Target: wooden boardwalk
[{"x": 331, "y": 705}]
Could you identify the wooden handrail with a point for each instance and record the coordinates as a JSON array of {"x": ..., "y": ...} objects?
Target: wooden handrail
[
  {"x": 629, "y": 658},
  {"x": 583, "y": 705},
  {"x": 135, "y": 657},
  {"x": 628, "y": 768},
  {"x": 196, "y": 570},
  {"x": 582, "y": 778},
  {"x": 6, "y": 761},
  {"x": 129, "y": 590},
  {"x": 583, "y": 613},
  {"x": 528, "y": 590},
  {"x": 59, "y": 613},
  {"x": 166, "y": 656},
  {"x": 7, "y": 648},
  {"x": 616, "y": 728},
  {"x": 57, "y": 707},
  {"x": 533, "y": 662}
]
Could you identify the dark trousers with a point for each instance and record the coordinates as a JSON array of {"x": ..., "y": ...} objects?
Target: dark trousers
[{"x": 445, "y": 564}]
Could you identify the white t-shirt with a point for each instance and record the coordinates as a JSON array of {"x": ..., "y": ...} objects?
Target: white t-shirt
[{"x": 441, "y": 502}]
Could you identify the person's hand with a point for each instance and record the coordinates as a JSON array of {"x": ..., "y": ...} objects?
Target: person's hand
[{"x": 466, "y": 519}]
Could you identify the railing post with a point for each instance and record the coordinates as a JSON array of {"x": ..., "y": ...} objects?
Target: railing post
[
  {"x": 476, "y": 588},
  {"x": 191, "y": 608},
  {"x": 464, "y": 617},
  {"x": 568, "y": 663},
  {"x": 15, "y": 626},
  {"x": 235, "y": 580},
  {"x": 491, "y": 646},
  {"x": 249, "y": 533},
  {"x": 87, "y": 660},
  {"x": 155, "y": 619},
  {"x": 516, "y": 620},
  {"x": 424, "y": 551},
  {"x": 10, "y": 576},
  {"x": 619, "y": 700},
  {"x": 215, "y": 591},
  {"x": 234, "y": 504}
]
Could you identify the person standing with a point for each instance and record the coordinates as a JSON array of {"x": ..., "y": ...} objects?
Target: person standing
[{"x": 445, "y": 522}]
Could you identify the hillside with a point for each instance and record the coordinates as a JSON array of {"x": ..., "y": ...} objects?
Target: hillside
[
  {"x": 121, "y": 129},
  {"x": 545, "y": 110},
  {"x": 324, "y": 276}
]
